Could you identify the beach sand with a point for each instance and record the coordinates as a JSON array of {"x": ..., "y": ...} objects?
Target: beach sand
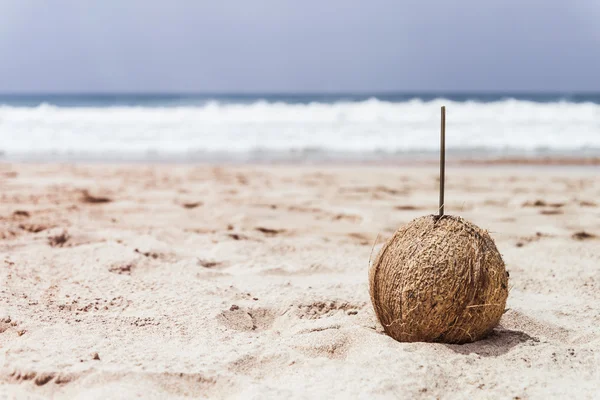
[{"x": 251, "y": 282}]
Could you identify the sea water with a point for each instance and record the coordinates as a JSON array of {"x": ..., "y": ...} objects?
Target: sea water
[{"x": 264, "y": 127}]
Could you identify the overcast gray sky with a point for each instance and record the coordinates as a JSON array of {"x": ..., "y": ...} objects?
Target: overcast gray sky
[{"x": 299, "y": 45}]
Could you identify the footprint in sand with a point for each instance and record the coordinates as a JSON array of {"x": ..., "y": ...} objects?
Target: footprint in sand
[
  {"x": 192, "y": 205},
  {"x": 329, "y": 343},
  {"x": 321, "y": 309},
  {"x": 88, "y": 198},
  {"x": 209, "y": 263},
  {"x": 361, "y": 238},
  {"x": 269, "y": 231},
  {"x": 41, "y": 378},
  {"x": 59, "y": 240},
  {"x": 246, "y": 319},
  {"x": 529, "y": 239},
  {"x": 583, "y": 235}
]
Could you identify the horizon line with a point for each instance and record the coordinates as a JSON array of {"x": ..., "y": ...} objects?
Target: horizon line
[{"x": 301, "y": 93}]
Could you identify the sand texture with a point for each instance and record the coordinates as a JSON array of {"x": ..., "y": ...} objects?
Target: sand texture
[{"x": 252, "y": 282}]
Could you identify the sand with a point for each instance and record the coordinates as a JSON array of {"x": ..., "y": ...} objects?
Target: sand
[{"x": 251, "y": 282}]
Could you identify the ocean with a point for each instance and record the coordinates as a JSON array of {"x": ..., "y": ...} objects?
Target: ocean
[{"x": 295, "y": 127}]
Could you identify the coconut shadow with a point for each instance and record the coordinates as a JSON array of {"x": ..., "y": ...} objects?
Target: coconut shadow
[{"x": 498, "y": 343}]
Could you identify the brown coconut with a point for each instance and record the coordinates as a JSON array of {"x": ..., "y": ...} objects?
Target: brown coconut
[{"x": 439, "y": 279}]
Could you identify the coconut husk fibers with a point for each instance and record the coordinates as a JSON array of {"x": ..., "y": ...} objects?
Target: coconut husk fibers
[{"x": 439, "y": 279}]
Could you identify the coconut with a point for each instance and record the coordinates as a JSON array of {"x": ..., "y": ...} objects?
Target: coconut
[{"x": 439, "y": 279}]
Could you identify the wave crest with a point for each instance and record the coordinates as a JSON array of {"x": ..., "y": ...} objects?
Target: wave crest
[{"x": 367, "y": 126}]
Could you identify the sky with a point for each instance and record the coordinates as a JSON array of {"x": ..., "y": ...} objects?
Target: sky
[{"x": 299, "y": 46}]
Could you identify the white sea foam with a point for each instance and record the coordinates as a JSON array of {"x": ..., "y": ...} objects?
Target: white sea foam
[{"x": 355, "y": 128}]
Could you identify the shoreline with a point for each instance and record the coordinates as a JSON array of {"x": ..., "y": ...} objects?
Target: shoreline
[{"x": 409, "y": 160}]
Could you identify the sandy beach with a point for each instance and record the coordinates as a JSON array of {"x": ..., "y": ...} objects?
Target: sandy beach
[{"x": 179, "y": 281}]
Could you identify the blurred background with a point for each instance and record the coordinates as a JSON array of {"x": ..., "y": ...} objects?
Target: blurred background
[{"x": 261, "y": 80}]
